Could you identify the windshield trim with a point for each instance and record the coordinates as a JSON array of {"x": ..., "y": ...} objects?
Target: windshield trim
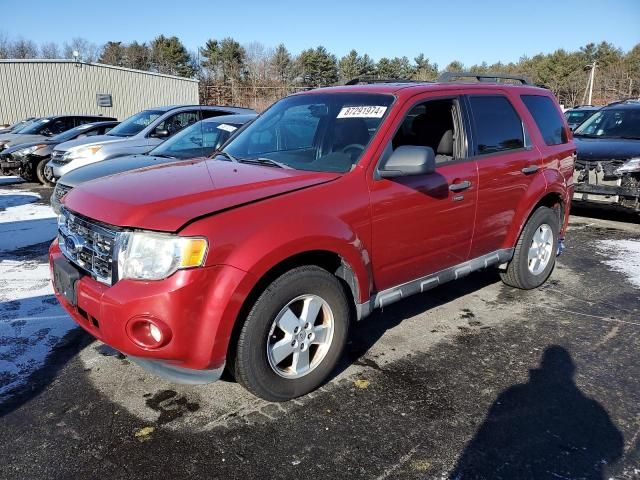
[{"x": 310, "y": 95}]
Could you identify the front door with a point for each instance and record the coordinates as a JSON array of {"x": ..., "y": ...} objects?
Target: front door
[{"x": 422, "y": 224}]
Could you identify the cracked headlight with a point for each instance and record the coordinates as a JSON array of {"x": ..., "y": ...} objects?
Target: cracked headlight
[
  {"x": 630, "y": 166},
  {"x": 29, "y": 150},
  {"x": 154, "y": 256}
]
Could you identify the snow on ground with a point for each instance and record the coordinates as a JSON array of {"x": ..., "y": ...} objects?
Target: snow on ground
[
  {"x": 622, "y": 256},
  {"x": 22, "y": 221},
  {"x": 31, "y": 321}
]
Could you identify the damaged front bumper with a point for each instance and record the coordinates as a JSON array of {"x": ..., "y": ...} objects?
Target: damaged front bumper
[{"x": 598, "y": 182}]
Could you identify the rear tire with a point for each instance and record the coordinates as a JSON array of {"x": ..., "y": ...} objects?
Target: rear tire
[
  {"x": 535, "y": 254},
  {"x": 40, "y": 175},
  {"x": 293, "y": 336}
]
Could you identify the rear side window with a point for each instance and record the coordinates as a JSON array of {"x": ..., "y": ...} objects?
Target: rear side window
[
  {"x": 547, "y": 118},
  {"x": 498, "y": 127}
]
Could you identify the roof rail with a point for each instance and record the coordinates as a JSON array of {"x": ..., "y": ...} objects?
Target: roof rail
[
  {"x": 483, "y": 77},
  {"x": 624, "y": 100},
  {"x": 368, "y": 80}
]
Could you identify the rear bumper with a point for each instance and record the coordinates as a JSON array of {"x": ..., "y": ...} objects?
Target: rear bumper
[{"x": 196, "y": 309}]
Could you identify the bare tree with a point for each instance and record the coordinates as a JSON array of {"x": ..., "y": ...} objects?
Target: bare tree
[
  {"x": 87, "y": 51},
  {"x": 22, "y": 48},
  {"x": 49, "y": 50}
]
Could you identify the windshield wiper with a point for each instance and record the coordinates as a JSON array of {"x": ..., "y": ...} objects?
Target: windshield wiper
[
  {"x": 264, "y": 161},
  {"x": 162, "y": 155},
  {"x": 227, "y": 155}
]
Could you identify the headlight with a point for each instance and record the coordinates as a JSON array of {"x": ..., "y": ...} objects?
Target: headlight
[
  {"x": 81, "y": 152},
  {"x": 631, "y": 165},
  {"x": 29, "y": 150},
  {"x": 154, "y": 256}
]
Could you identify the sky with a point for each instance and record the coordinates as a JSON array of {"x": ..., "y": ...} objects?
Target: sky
[{"x": 466, "y": 30}]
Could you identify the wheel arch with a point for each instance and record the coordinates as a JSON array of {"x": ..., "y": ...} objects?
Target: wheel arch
[{"x": 328, "y": 260}]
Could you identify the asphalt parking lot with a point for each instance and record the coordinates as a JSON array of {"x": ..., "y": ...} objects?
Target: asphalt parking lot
[{"x": 472, "y": 380}]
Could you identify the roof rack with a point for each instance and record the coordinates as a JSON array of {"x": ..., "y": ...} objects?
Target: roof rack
[
  {"x": 483, "y": 77},
  {"x": 624, "y": 100},
  {"x": 369, "y": 80}
]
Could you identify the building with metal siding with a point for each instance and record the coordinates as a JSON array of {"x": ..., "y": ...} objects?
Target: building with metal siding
[{"x": 36, "y": 88}]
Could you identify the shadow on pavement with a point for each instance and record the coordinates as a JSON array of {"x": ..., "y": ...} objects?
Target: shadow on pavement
[
  {"x": 545, "y": 428},
  {"x": 17, "y": 200},
  {"x": 74, "y": 341},
  {"x": 605, "y": 212},
  {"x": 368, "y": 332}
]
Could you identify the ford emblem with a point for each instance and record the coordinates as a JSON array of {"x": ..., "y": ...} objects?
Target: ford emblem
[{"x": 74, "y": 243}]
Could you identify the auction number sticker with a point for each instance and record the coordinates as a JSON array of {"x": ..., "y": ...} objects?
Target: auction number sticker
[
  {"x": 363, "y": 111},
  {"x": 227, "y": 128}
]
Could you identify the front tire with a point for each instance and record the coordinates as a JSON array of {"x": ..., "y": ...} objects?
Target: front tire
[
  {"x": 40, "y": 173},
  {"x": 293, "y": 336},
  {"x": 535, "y": 254}
]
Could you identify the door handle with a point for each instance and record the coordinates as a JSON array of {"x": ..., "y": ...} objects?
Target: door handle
[
  {"x": 458, "y": 187},
  {"x": 530, "y": 169}
]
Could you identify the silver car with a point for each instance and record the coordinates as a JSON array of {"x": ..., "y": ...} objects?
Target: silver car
[{"x": 137, "y": 134}]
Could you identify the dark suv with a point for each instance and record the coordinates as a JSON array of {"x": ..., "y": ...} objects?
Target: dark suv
[
  {"x": 332, "y": 203},
  {"x": 46, "y": 127},
  {"x": 608, "y": 158}
]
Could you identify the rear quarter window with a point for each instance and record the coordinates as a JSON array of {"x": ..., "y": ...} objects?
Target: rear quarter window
[
  {"x": 547, "y": 118},
  {"x": 498, "y": 127}
]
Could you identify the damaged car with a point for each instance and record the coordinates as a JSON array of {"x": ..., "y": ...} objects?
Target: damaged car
[{"x": 607, "y": 167}]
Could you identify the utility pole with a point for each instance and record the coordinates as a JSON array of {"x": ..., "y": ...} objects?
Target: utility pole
[{"x": 592, "y": 76}]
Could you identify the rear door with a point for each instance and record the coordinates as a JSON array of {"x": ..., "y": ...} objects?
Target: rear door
[
  {"x": 507, "y": 164},
  {"x": 424, "y": 223}
]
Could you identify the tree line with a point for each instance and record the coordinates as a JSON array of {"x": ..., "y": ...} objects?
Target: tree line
[{"x": 227, "y": 64}]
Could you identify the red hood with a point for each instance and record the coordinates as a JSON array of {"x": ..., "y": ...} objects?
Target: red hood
[{"x": 165, "y": 197}]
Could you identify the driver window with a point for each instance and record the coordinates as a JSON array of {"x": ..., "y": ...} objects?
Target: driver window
[
  {"x": 177, "y": 122},
  {"x": 432, "y": 124}
]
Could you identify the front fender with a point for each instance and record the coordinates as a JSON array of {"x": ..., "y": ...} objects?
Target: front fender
[{"x": 282, "y": 239}]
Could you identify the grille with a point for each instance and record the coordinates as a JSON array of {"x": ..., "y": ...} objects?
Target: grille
[
  {"x": 60, "y": 191},
  {"x": 88, "y": 245},
  {"x": 57, "y": 155}
]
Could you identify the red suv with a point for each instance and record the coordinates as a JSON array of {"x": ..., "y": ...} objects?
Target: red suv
[{"x": 332, "y": 203}]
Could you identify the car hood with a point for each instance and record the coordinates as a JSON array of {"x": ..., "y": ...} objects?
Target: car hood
[
  {"x": 102, "y": 139},
  {"x": 166, "y": 197},
  {"x": 111, "y": 167},
  {"x": 19, "y": 146},
  {"x": 18, "y": 139},
  {"x": 592, "y": 149}
]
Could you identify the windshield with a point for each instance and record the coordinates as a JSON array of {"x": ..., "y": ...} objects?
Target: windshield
[
  {"x": 200, "y": 139},
  {"x": 16, "y": 127},
  {"x": 33, "y": 128},
  {"x": 612, "y": 123},
  {"x": 135, "y": 123},
  {"x": 69, "y": 134},
  {"x": 578, "y": 116},
  {"x": 318, "y": 132}
]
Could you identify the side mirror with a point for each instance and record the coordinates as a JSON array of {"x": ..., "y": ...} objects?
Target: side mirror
[
  {"x": 409, "y": 160},
  {"x": 160, "y": 133}
]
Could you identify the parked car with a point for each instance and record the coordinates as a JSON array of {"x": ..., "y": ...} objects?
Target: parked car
[
  {"x": 16, "y": 126},
  {"x": 332, "y": 203},
  {"x": 608, "y": 156},
  {"x": 29, "y": 159},
  {"x": 139, "y": 133},
  {"x": 199, "y": 140},
  {"x": 46, "y": 127},
  {"x": 576, "y": 115}
]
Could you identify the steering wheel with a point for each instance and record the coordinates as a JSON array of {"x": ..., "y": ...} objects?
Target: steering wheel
[{"x": 352, "y": 146}]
